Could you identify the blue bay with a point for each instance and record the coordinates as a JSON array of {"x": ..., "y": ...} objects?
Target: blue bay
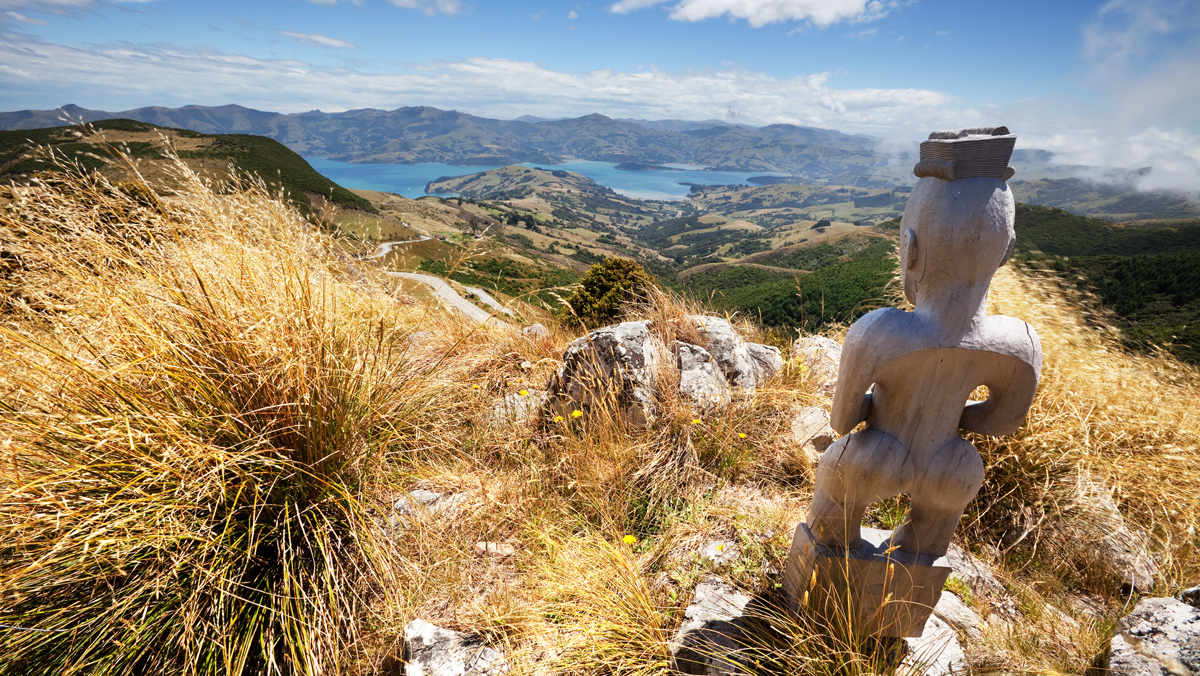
[{"x": 409, "y": 179}]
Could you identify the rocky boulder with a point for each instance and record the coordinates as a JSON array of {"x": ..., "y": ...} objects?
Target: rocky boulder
[
  {"x": 812, "y": 433},
  {"x": 609, "y": 372},
  {"x": 698, "y": 376},
  {"x": 821, "y": 356},
  {"x": 1161, "y": 637},
  {"x": 432, "y": 651},
  {"x": 744, "y": 365},
  {"x": 708, "y": 640}
]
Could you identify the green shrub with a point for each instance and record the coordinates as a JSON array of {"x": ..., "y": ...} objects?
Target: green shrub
[{"x": 602, "y": 292}]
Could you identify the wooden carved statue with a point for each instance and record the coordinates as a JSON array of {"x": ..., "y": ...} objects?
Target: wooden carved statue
[{"x": 908, "y": 376}]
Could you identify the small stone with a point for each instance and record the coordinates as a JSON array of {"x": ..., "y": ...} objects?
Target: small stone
[
  {"x": 494, "y": 550},
  {"x": 517, "y": 408},
  {"x": 1161, "y": 637},
  {"x": 432, "y": 651},
  {"x": 708, "y": 640},
  {"x": 1191, "y": 596},
  {"x": 422, "y": 502},
  {"x": 536, "y": 331}
]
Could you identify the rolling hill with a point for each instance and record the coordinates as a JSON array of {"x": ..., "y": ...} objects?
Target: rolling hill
[
  {"x": 424, "y": 134},
  {"x": 217, "y": 157}
]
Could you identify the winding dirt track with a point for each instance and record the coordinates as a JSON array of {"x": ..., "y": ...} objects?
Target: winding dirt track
[{"x": 448, "y": 294}]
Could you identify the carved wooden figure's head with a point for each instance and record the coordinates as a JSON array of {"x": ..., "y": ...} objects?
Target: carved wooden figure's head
[{"x": 954, "y": 234}]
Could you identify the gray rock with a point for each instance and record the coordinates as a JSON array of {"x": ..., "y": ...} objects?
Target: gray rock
[
  {"x": 698, "y": 379},
  {"x": 1191, "y": 596},
  {"x": 822, "y": 356},
  {"x": 766, "y": 360},
  {"x": 707, "y": 641},
  {"x": 1123, "y": 548},
  {"x": 433, "y": 651},
  {"x": 951, "y": 610},
  {"x": 1161, "y": 637},
  {"x": 744, "y": 365},
  {"x": 974, "y": 573},
  {"x": 609, "y": 372},
  {"x": 937, "y": 651},
  {"x": 421, "y": 502},
  {"x": 516, "y": 408},
  {"x": 811, "y": 431},
  {"x": 536, "y": 331}
]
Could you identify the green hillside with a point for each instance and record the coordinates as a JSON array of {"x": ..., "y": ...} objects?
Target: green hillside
[
  {"x": 1147, "y": 274},
  {"x": 96, "y": 149}
]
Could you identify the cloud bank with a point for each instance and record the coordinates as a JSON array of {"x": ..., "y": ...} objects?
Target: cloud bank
[{"x": 758, "y": 13}]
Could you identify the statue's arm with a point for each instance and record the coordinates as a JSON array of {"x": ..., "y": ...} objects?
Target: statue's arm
[
  {"x": 856, "y": 372},
  {"x": 1012, "y": 381},
  {"x": 1010, "y": 397}
]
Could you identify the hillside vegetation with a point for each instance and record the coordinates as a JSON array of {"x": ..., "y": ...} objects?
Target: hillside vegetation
[
  {"x": 1144, "y": 274},
  {"x": 210, "y": 409},
  {"x": 107, "y": 145}
]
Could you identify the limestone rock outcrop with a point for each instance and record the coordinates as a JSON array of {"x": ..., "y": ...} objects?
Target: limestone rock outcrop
[
  {"x": 745, "y": 365},
  {"x": 707, "y": 642},
  {"x": 609, "y": 372},
  {"x": 821, "y": 356},
  {"x": 699, "y": 379},
  {"x": 1161, "y": 637},
  {"x": 432, "y": 651},
  {"x": 812, "y": 433}
]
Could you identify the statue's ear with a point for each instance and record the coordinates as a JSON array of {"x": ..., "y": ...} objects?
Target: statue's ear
[{"x": 909, "y": 244}]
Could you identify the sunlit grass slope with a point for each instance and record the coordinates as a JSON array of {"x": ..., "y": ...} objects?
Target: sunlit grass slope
[{"x": 208, "y": 412}]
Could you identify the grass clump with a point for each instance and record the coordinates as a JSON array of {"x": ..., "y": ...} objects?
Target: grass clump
[{"x": 192, "y": 434}]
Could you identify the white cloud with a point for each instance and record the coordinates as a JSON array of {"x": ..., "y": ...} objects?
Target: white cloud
[
  {"x": 863, "y": 35},
  {"x": 115, "y": 77},
  {"x": 822, "y": 13},
  {"x": 17, "y": 16},
  {"x": 431, "y": 7},
  {"x": 45, "y": 6},
  {"x": 572, "y": 16},
  {"x": 318, "y": 40}
]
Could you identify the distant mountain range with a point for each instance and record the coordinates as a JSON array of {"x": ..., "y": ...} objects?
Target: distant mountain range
[{"x": 422, "y": 134}]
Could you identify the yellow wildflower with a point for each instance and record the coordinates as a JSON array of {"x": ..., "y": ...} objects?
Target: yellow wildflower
[
  {"x": 474, "y": 387},
  {"x": 629, "y": 540},
  {"x": 576, "y": 413},
  {"x": 741, "y": 435},
  {"x": 558, "y": 418},
  {"x": 523, "y": 392},
  {"x": 695, "y": 421}
]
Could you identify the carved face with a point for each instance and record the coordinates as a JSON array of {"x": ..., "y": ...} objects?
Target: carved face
[{"x": 955, "y": 233}]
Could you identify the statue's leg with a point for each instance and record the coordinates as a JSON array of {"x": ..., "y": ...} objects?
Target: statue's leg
[
  {"x": 854, "y": 472},
  {"x": 945, "y": 485}
]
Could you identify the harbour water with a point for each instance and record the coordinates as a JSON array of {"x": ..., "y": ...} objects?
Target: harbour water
[{"x": 409, "y": 179}]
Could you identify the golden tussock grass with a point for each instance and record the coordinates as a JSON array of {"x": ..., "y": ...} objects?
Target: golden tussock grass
[{"x": 209, "y": 410}]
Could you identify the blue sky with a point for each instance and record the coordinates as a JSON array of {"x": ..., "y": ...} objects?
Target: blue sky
[{"x": 1107, "y": 83}]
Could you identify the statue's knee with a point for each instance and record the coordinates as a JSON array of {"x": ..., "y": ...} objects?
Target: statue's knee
[
  {"x": 953, "y": 475},
  {"x": 868, "y": 463}
]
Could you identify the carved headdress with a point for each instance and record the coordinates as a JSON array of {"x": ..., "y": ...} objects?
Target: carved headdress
[{"x": 967, "y": 153}]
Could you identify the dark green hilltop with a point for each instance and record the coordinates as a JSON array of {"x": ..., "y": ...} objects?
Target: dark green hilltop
[{"x": 274, "y": 163}]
